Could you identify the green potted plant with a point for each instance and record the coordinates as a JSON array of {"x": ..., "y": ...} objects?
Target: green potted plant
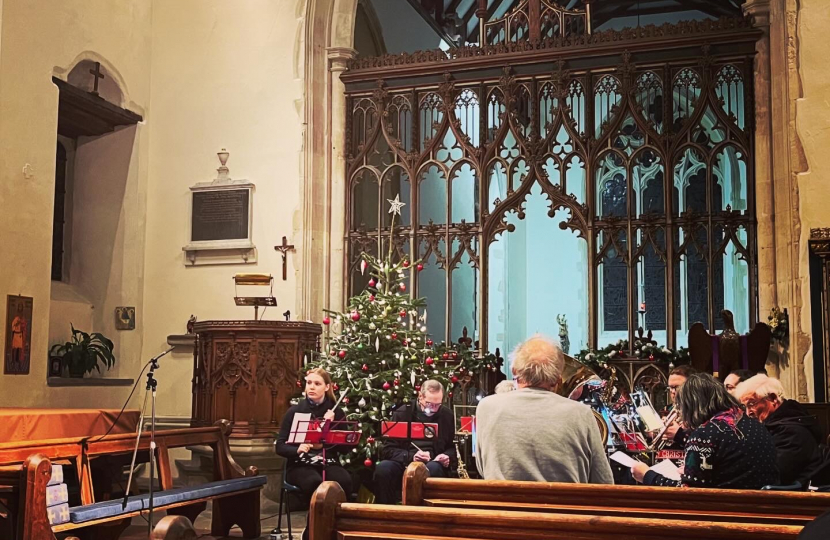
[{"x": 84, "y": 352}]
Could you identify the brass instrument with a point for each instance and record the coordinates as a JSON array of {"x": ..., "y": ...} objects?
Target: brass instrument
[
  {"x": 462, "y": 469},
  {"x": 658, "y": 443}
]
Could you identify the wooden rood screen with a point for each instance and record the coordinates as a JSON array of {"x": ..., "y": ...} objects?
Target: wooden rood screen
[{"x": 641, "y": 140}]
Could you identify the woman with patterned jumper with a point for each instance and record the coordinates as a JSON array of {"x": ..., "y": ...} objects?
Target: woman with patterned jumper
[{"x": 725, "y": 448}]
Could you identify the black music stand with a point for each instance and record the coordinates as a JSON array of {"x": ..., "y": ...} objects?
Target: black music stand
[{"x": 325, "y": 432}]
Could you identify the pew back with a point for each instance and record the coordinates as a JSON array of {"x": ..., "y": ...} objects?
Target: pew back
[
  {"x": 722, "y": 505},
  {"x": 331, "y": 517}
]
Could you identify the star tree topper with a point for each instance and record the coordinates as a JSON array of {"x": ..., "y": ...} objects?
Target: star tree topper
[{"x": 396, "y": 205}]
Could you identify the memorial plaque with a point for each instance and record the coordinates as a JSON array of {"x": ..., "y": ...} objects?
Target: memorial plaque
[{"x": 220, "y": 215}]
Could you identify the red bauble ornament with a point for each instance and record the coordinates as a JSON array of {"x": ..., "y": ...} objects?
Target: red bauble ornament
[
  {"x": 368, "y": 462},
  {"x": 454, "y": 379},
  {"x": 450, "y": 394},
  {"x": 370, "y": 440},
  {"x": 346, "y": 400},
  {"x": 394, "y": 335},
  {"x": 429, "y": 361},
  {"x": 404, "y": 343},
  {"x": 651, "y": 358},
  {"x": 371, "y": 297},
  {"x": 445, "y": 356},
  {"x": 342, "y": 354},
  {"x": 326, "y": 321},
  {"x": 386, "y": 386},
  {"x": 402, "y": 313},
  {"x": 429, "y": 343},
  {"x": 364, "y": 367},
  {"x": 417, "y": 387},
  {"x": 406, "y": 264},
  {"x": 372, "y": 283},
  {"x": 334, "y": 353},
  {"x": 403, "y": 287},
  {"x": 355, "y": 316},
  {"x": 397, "y": 382},
  {"x": 420, "y": 267},
  {"x": 299, "y": 384}
]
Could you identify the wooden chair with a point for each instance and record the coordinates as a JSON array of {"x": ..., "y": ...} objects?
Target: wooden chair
[
  {"x": 716, "y": 505},
  {"x": 331, "y": 517}
]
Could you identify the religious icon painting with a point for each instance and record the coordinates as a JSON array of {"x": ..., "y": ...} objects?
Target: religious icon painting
[
  {"x": 18, "y": 335},
  {"x": 125, "y": 318}
]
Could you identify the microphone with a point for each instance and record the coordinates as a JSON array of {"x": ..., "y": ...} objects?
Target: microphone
[{"x": 160, "y": 355}]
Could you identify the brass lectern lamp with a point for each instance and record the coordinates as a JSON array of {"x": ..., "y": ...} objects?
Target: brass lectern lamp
[{"x": 256, "y": 301}]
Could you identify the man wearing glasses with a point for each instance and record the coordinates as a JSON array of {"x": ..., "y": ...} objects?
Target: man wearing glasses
[{"x": 435, "y": 452}]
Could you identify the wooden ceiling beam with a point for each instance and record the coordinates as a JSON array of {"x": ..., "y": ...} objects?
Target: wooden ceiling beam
[{"x": 430, "y": 20}]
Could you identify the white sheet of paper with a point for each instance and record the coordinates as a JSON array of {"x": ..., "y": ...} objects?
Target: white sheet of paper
[
  {"x": 667, "y": 469},
  {"x": 624, "y": 459},
  {"x": 650, "y": 418},
  {"x": 298, "y": 438}
]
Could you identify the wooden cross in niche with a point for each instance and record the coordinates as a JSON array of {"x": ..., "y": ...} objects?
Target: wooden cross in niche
[
  {"x": 284, "y": 248},
  {"x": 98, "y": 75}
]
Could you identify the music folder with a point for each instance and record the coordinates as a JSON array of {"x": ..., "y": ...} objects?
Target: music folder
[
  {"x": 409, "y": 430},
  {"x": 304, "y": 429}
]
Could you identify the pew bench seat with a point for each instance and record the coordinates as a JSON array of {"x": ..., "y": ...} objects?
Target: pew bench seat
[{"x": 331, "y": 517}]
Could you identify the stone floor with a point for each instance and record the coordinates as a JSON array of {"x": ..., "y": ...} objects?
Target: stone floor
[{"x": 138, "y": 529}]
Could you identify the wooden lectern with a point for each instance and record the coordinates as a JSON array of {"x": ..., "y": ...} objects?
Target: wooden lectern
[{"x": 246, "y": 372}]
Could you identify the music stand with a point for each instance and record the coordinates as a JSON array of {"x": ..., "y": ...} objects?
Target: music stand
[
  {"x": 325, "y": 432},
  {"x": 408, "y": 430}
]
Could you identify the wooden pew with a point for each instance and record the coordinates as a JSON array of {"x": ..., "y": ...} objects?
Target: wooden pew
[
  {"x": 25, "y": 470},
  {"x": 721, "y": 505},
  {"x": 331, "y": 518}
]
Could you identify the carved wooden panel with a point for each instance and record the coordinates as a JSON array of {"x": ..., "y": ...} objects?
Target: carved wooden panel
[{"x": 246, "y": 371}]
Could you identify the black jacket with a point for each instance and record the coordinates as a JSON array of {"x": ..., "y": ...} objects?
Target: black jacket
[
  {"x": 797, "y": 436},
  {"x": 402, "y": 451},
  {"x": 289, "y": 451}
]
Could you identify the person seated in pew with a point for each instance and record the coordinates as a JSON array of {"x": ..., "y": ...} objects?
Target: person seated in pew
[
  {"x": 675, "y": 433},
  {"x": 795, "y": 432},
  {"x": 305, "y": 463},
  {"x": 735, "y": 378},
  {"x": 725, "y": 448},
  {"x": 436, "y": 452},
  {"x": 535, "y": 434}
]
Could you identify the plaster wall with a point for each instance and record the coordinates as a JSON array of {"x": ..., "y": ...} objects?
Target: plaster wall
[
  {"x": 813, "y": 127},
  {"x": 40, "y": 39},
  {"x": 224, "y": 75}
]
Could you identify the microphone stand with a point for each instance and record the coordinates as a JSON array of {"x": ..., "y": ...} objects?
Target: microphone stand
[{"x": 152, "y": 383}]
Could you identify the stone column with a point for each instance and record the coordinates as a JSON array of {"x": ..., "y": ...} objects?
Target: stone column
[
  {"x": 335, "y": 297},
  {"x": 759, "y": 10}
]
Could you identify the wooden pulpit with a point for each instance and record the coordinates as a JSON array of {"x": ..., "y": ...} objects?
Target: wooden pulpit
[{"x": 246, "y": 372}]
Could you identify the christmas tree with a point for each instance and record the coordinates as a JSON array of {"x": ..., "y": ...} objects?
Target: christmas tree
[{"x": 379, "y": 352}]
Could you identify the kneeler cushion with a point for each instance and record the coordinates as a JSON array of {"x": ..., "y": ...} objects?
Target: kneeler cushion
[{"x": 105, "y": 509}]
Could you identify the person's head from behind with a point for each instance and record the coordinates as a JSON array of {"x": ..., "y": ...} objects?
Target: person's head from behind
[
  {"x": 736, "y": 377},
  {"x": 505, "y": 387},
  {"x": 700, "y": 398},
  {"x": 318, "y": 385},
  {"x": 678, "y": 376},
  {"x": 538, "y": 363},
  {"x": 430, "y": 397},
  {"x": 761, "y": 395}
]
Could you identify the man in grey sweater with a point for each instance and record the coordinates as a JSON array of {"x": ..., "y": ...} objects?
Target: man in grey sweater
[{"x": 535, "y": 434}]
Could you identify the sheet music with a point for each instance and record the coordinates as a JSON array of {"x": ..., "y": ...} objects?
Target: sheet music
[
  {"x": 295, "y": 437},
  {"x": 650, "y": 418},
  {"x": 667, "y": 469},
  {"x": 624, "y": 459}
]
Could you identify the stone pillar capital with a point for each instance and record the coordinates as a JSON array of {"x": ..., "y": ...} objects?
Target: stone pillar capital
[
  {"x": 759, "y": 11},
  {"x": 339, "y": 58}
]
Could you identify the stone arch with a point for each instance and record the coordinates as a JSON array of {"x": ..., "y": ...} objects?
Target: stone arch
[
  {"x": 113, "y": 88},
  {"x": 326, "y": 48}
]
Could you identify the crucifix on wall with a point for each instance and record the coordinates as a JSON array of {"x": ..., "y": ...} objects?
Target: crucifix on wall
[
  {"x": 98, "y": 75},
  {"x": 284, "y": 248}
]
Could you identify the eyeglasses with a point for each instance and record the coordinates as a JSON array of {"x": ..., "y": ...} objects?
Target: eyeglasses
[
  {"x": 430, "y": 406},
  {"x": 752, "y": 404},
  {"x": 730, "y": 387}
]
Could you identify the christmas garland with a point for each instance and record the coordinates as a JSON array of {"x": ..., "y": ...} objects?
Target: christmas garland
[
  {"x": 644, "y": 349},
  {"x": 779, "y": 323}
]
